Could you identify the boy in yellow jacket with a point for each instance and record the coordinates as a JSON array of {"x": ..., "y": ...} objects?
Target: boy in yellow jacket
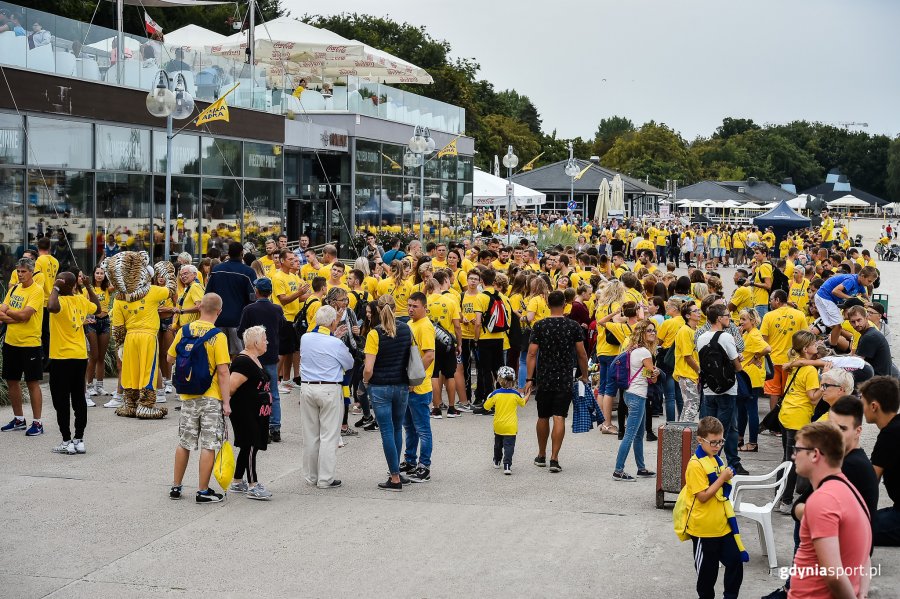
[{"x": 505, "y": 401}]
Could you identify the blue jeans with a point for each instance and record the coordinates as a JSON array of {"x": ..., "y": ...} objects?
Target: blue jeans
[
  {"x": 523, "y": 367},
  {"x": 275, "y": 418},
  {"x": 762, "y": 310},
  {"x": 724, "y": 407},
  {"x": 670, "y": 392},
  {"x": 606, "y": 387},
  {"x": 634, "y": 431},
  {"x": 417, "y": 424},
  {"x": 886, "y": 527},
  {"x": 748, "y": 408},
  {"x": 389, "y": 405}
]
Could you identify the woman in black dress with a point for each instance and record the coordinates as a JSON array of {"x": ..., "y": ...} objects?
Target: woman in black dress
[{"x": 251, "y": 406}]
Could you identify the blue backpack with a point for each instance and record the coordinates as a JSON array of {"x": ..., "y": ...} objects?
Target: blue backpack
[
  {"x": 192, "y": 375},
  {"x": 620, "y": 371}
]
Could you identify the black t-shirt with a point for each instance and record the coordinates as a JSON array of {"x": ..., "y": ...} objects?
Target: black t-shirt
[
  {"x": 556, "y": 338},
  {"x": 617, "y": 245},
  {"x": 251, "y": 404},
  {"x": 886, "y": 455},
  {"x": 873, "y": 347},
  {"x": 858, "y": 470}
]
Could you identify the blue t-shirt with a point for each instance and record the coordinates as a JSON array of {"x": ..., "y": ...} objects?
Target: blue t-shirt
[{"x": 850, "y": 283}]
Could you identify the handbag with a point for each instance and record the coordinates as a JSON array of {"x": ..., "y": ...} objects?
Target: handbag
[
  {"x": 770, "y": 367},
  {"x": 771, "y": 422},
  {"x": 415, "y": 369},
  {"x": 224, "y": 466}
]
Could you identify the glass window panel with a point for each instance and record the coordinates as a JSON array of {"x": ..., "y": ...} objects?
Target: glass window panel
[
  {"x": 220, "y": 210},
  {"x": 392, "y": 163},
  {"x": 12, "y": 139},
  {"x": 123, "y": 148},
  {"x": 59, "y": 143},
  {"x": 448, "y": 167},
  {"x": 464, "y": 168},
  {"x": 183, "y": 219},
  {"x": 123, "y": 209},
  {"x": 367, "y": 201},
  {"x": 263, "y": 161},
  {"x": 432, "y": 167},
  {"x": 185, "y": 153},
  {"x": 368, "y": 157},
  {"x": 221, "y": 157},
  {"x": 12, "y": 197},
  {"x": 60, "y": 206},
  {"x": 263, "y": 211}
]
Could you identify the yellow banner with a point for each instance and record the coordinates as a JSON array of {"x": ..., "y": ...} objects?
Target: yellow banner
[
  {"x": 583, "y": 171},
  {"x": 217, "y": 111},
  {"x": 449, "y": 149},
  {"x": 530, "y": 164},
  {"x": 394, "y": 164}
]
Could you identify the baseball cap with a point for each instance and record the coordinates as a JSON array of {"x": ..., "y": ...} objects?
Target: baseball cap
[{"x": 263, "y": 284}]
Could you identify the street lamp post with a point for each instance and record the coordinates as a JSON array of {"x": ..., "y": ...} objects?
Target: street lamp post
[
  {"x": 571, "y": 170},
  {"x": 510, "y": 161},
  {"x": 163, "y": 102},
  {"x": 420, "y": 145}
]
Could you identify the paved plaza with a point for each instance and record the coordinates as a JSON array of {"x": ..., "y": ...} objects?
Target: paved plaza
[{"x": 102, "y": 525}]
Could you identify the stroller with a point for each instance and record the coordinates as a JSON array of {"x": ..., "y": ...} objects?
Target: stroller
[{"x": 892, "y": 253}]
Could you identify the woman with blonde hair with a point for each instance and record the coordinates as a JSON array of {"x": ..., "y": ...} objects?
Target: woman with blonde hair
[
  {"x": 398, "y": 287},
  {"x": 751, "y": 379},
  {"x": 387, "y": 354},
  {"x": 641, "y": 372},
  {"x": 800, "y": 396},
  {"x": 609, "y": 302},
  {"x": 369, "y": 283}
]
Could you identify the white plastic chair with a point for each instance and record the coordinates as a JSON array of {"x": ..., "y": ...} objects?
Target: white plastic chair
[
  {"x": 87, "y": 68},
  {"x": 13, "y": 48},
  {"x": 761, "y": 514},
  {"x": 42, "y": 59},
  {"x": 312, "y": 100},
  {"x": 65, "y": 63}
]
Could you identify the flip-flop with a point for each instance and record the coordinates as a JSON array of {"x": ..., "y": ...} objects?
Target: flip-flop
[
  {"x": 749, "y": 447},
  {"x": 609, "y": 429}
]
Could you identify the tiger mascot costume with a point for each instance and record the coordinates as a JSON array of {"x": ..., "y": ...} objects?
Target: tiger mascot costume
[{"x": 135, "y": 328}]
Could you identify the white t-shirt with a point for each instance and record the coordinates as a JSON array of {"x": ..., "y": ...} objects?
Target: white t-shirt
[
  {"x": 727, "y": 342},
  {"x": 639, "y": 385}
]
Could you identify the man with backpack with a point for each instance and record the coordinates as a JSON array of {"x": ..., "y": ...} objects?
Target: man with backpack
[
  {"x": 719, "y": 365},
  {"x": 492, "y": 310},
  {"x": 199, "y": 353}
]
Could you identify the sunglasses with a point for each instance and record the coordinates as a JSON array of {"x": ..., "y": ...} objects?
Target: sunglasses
[{"x": 829, "y": 386}]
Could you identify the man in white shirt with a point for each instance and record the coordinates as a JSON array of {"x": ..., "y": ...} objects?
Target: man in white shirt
[
  {"x": 323, "y": 361},
  {"x": 722, "y": 405}
]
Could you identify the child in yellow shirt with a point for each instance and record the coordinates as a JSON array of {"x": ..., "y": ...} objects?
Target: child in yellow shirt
[{"x": 505, "y": 401}]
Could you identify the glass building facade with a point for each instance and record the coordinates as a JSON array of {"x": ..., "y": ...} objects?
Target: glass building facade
[{"x": 91, "y": 184}]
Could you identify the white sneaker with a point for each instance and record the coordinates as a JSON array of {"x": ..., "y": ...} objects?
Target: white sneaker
[
  {"x": 284, "y": 389},
  {"x": 91, "y": 391},
  {"x": 341, "y": 442},
  {"x": 66, "y": 447},
  {"x": 79, "y": 445},
  {"x": 90, "y": 402},
  {"x": 98, "y": 387},
  {"x": 115, "y": 402},
  {"x": 169, "y": 387},
  {"x": 160, "y": 398},
  {"x": 784, "y": 508}
]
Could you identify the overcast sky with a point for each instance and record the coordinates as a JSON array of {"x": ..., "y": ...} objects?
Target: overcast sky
[{"x": 687, "y": 63}]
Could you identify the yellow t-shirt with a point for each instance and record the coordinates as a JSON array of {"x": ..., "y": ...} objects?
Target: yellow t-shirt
[
  {"x": 500, "y": 266},
  {"x": 684, "y": 347},
  {"x": 741, "y": 298},
  {"x": 538, "y": 305},
  {"x": 604, "y": 348},
  {"x": 443, "y": 309},
  {"x": 707, "y": 519},
  {"x": 325, "y": 270},
  {"x": 352, "y": 294},
  {"x": 216, "y": 352},
  {"x": 286, "y": 284},
  {"x": 783, "y": 249},
  {"x": 796, "y": 409},
  {"x": 105, "y": 298},
  {"x": 401, "y": 295},
  {"x": 142, "y": 314},
  {"x": 789, "y": 269},
  {"x": 49, "y": 267},
  {"x": 423, "y": 335},
  {"x": 798, "y": 293},
  {"x": 763, "y": 272},
  {"x": 827, "y": 229},
  {"x": 189, "y": 298},
  {"x": 467, "y": 311},
  {"x": 778, "y": 327},
  {"x": 505, "y": 403},
  {"x": 754, "y": 344},
  {"x": 662, "y": 237},
  {"x": 482, "y": 301},
  {"x": 737, "y": 241},
  {"x": 28, "y": 333},
  {"x": 666, "y": 332},
  {"x": 268, "y": 265},
  {"x": 517, "y": 301},
  {"x": 67, "y": 340},
  {"x": 619, "y": 330}
]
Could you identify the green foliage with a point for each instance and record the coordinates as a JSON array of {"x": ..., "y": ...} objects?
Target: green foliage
[
  {"x": 653, "y": 151},
  {"x": 608, "y": 132},
  {"x": 731, "y": 127},
  {"x": 555, "y": 236},
  {"x": 893, "y": 169},
  {"x": 499, "y": 131}
]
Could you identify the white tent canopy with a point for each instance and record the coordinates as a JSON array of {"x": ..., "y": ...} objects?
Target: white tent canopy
[
  {"x": 849, "y": 201},
  {"x": 488, "y": 190},
  {"x": 193, "y": 36},
  {"x": 751, "y": 206}
]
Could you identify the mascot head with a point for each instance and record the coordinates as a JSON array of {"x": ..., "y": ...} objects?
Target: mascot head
[
  {"x": 166, "y": 269},
  {"x": 130, "y": 273}
]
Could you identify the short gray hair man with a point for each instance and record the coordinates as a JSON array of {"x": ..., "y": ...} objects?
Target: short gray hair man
[{"x": 325, "y": 316}]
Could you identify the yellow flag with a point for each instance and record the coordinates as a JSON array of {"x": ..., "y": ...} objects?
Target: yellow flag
[
  {"x": 449, "y": 149},
  {"x": 583, "y": 171},
  {"x": 530, "y": 164},
  {"x": 394, "y": 164},
  {"x": 217, "y": 111}
]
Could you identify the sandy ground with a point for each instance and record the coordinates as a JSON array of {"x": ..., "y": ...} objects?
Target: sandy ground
[{"x": 101, "y": 524}]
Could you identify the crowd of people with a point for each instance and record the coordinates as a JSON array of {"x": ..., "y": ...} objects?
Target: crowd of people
[{"x": 402, "y": 336}]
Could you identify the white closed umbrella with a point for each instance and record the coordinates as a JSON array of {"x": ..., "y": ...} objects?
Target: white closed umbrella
[
  {"x": 602, "y": 201},
  {"x": 617, "y": 194}
]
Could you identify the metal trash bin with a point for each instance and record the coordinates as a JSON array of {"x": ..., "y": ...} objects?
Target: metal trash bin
[
  {"x": 881, "y": 298},
  {"x": 676, "y": 443}
]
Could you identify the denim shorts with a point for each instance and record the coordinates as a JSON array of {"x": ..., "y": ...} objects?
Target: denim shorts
[
  {"x": 164, "y": 324},
  {"x": 100, "y": 326}
]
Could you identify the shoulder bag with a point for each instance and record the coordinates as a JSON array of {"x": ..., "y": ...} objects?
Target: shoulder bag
[{"x": 770, "y": 422}]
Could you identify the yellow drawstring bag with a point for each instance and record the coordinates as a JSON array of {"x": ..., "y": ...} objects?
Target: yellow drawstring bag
[{"x": 223, "y": 467}]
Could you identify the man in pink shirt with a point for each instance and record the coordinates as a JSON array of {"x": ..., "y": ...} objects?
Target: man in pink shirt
[{"x": 835, "y": 534}]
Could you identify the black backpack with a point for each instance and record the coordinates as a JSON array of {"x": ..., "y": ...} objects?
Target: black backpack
[
  {"x": 716, "y": 369},
  {"x": 301, "y": 323},
  {"x": 779, "y": 279},
  {"x": 361, "y": 300}
]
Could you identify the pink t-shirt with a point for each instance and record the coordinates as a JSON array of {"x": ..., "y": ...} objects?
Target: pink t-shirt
[{"x": 831, "y": 511}]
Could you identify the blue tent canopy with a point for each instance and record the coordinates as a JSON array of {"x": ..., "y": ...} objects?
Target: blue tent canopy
[{"x": 783, "y": 219}]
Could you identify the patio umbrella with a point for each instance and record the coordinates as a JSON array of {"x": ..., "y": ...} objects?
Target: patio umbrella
[
  {"x": 193, "y": 36},
  {"x": 602, "y": 201},
  {"x": 751, "y": 206},
  {"x": 798, "y": 203},
  {"x": 617, "y": 194},
  {"x": 849, "y": 201},
  {"x": 729, "y": 204}
]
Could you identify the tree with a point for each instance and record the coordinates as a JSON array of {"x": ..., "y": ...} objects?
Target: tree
[
  {"x": 893, "y": 170},
  {"x": 608, "y": 132},
  {"x": 512, "y": 104},
  {"x": 653, "y": 151},
  {"x": 499, "y": 132},
  {"x": 731, "y": 127}
]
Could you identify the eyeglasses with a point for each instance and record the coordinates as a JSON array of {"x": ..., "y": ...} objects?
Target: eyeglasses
[
  {"x": 797, "y": 449},
  {"x": 829, "y": 386},
  {"x": 717, "y": 443}
]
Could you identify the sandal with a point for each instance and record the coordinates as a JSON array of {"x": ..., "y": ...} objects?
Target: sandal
[
  {"x": 751, "y": 447},
  {"x": 609, "y": 429}
]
